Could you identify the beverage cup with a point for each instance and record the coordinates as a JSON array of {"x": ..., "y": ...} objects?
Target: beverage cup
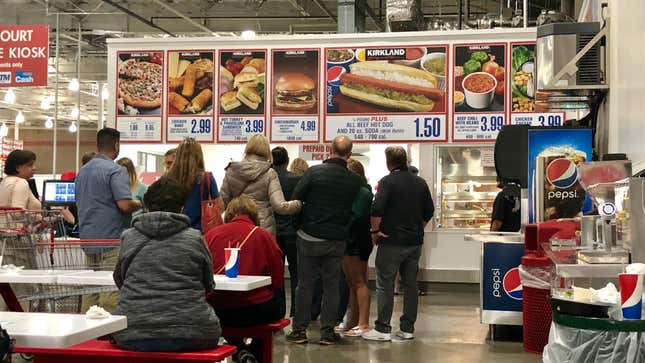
[
  {"x": 631, "y": 295},
  {"x": 232, "y": 258}
]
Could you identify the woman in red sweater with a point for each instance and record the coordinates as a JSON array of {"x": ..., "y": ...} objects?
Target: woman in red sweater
[{"x": 259, "y": 256}]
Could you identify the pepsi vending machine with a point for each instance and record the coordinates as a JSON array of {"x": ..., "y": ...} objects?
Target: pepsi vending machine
[{"x": 501, "y": 288}]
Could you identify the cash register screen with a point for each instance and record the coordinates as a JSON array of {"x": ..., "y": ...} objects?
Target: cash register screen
[{"x": 58, "y": 192}]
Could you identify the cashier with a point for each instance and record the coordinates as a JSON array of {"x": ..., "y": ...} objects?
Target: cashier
[{"x": 506, "y": 208}]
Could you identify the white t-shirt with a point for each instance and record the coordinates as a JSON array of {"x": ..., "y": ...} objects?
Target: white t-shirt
[{"x": 15, "y": 193}]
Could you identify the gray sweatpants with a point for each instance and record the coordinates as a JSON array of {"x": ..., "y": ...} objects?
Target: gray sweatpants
[
  {"x": 318, "y": 259},
  {"x": 389, "y": 260}
]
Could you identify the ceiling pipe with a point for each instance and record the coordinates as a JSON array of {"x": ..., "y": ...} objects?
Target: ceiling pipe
[
  {"x": 137, "y": 16},
  {"x": 372, "y": 15},
  {"x": 181, "y": 15},
  {"x": 325, "y": 10}
]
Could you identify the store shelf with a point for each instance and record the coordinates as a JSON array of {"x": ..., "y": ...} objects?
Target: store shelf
[
  {"x": 484, "y": 180},
  {"x": 469, "y": 196}
]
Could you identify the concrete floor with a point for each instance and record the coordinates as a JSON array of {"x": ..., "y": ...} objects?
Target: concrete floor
[{"x": 447, "y": 330}]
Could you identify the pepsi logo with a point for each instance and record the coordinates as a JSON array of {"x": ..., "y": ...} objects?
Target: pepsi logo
[
  {"x": 562, "y": 173},
  {"x": 512, "y": 284},
  {"x": 334, "y": 73}
]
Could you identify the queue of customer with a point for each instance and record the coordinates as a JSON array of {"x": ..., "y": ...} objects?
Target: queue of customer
[{"x": 319, "y": 218}]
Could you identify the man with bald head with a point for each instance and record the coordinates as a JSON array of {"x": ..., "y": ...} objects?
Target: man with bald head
[{"x": 327, "y": 192}]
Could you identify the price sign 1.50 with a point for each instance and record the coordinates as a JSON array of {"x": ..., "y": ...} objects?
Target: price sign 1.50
[{"x": 428, "y": 127}]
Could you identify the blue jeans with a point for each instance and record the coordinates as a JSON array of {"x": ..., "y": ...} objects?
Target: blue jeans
[{"x": 168, "y": 345}]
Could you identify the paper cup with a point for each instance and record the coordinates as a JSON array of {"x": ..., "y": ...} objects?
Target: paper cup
[
  {"x": 631, "y": 295},
  {"x": 232, "y": 258}
]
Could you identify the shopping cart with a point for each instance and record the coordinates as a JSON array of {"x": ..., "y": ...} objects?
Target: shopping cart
[{"x": 27, "y": 241}]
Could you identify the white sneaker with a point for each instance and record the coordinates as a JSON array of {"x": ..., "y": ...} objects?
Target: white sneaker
[
  {"x": 376, "y": 336},
  {"x": 403, "y": 335}
]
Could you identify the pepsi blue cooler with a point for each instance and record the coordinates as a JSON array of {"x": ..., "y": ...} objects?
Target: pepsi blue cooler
[{"x": 500, "y": 285}]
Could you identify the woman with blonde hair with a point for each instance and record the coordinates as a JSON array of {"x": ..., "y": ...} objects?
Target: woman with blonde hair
[
  {"x": 253, "y": 177},
  {"x": 137, "y": 188},
  {"x": 299, "y": 166},
  {"x": 188, "y": 169}
]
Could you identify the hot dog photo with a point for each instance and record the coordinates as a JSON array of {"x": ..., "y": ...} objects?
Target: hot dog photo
[
  {"x": 479, "y": 78},
  {"x": 295, "y": 80},
  {"x": 386, "y": 80},
  {"x": 242, "y": 78},
  {"x": 190, "y": 83}
]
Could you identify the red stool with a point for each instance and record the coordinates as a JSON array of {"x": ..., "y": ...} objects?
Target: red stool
[
  {"x": 264, "y": 333},
  {"x": 101, "y": 351}
]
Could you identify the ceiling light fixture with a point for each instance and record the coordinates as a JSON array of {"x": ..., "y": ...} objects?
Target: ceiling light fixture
[
  {"x": 4, "y": 130},
  {"x": 49, "y": 123},
  {"x": 73, "y": 128},
  {"x": 45, "y": 103},
  {"x": 20, "y": 118},
  {"x": 10, "y": 97},
  {"x": 75, "y": 112},
  {"x": 74, "y": 85},
  {"x": 248, "y": 34},
  {"x": 105, "y": 93}
]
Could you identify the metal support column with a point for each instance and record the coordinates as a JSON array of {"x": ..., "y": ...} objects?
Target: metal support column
[
  {"x": 55, "y": 140},
  {"x": 350, "y": 17},
  {"x": 78, "y": 98}
]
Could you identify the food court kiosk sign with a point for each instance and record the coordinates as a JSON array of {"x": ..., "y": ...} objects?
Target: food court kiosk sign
[{"x": 24, "y": 52}]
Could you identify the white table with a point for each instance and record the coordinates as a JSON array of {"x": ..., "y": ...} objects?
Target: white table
[
  {"x": 241, "y": 283},
  {"x": 43, "y": 330},
  {"x": 34, "y": 276}
]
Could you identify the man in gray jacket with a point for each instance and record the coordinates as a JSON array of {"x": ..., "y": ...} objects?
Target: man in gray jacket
[{"x": 164, "y": 272}]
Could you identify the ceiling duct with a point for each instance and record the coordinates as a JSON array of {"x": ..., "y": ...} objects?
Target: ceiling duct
[{"x": 405, "y": 15}]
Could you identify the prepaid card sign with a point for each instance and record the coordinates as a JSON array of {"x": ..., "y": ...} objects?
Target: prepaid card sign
[
  {"x": 190, "y": 95},
  {"x": 386, "y": 93}
]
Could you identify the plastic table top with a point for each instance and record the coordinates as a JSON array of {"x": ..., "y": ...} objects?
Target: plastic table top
[
  {"x": 35, "y": 276},
  {"x": 45, "y": 330}
]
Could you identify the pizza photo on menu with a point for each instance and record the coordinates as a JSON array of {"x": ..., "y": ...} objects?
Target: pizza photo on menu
[{"x": 139, "y": 84}]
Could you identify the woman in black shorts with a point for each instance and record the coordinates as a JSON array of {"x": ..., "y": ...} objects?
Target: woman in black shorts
[{"x": 359, "y": 248}]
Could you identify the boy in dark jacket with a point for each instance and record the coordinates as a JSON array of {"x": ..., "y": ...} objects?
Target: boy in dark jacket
[{"x": 164, "y": 272}]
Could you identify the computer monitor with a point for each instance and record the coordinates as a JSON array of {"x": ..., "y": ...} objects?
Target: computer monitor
[{"x": 58, "y": 192}]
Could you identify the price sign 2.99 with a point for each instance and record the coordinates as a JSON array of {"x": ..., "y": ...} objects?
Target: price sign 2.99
[{"x": 198, "y": 128}]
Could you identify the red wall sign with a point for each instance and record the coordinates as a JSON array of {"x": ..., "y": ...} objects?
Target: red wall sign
[{"x": 24, "y": 53}]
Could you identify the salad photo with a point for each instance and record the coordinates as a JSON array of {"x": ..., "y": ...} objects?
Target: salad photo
[
  {"x": 523, "y": 78},
  {"x": 479, "y": 78}
]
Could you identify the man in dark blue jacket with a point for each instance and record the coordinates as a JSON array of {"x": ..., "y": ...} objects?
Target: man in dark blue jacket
[
  {"x": 285, "y": 229},
  {"x": 402, "y": 208},
  {"x": 327, "y": 192}
]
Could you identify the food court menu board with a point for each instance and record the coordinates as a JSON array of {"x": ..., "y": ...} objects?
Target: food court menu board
[
  {"x": 295, "y": 95},
  {"x": 139, "y": 95},
  {"x": 386, "y": 94},
  {"x": 241, "y": 95},
  {"x": 479, "y": 91},
  {"x": 524, "y": 110},
  {"x": 190, "y": 95}
]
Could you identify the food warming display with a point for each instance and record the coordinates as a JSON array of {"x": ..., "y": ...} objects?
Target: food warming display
[{"x": 466, "y": 188}]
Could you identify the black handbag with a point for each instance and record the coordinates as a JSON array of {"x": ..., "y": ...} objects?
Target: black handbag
[{"x": 6, "y": 346}]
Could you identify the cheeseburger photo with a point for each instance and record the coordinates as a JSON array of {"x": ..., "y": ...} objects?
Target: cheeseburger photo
[
  {"x": 392, "y": 86},
  {"x": 295, "y": 92}
]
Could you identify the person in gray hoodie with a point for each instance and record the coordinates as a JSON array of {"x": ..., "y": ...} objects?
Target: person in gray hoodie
[{"x": 164, "y": 272}]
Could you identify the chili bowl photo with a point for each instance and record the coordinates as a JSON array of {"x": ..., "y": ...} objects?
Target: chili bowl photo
[{"x": 479, "y": 89}]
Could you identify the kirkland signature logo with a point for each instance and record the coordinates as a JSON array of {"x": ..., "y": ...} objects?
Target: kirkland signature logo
[
  {"x": 24, "y": 77},
  {"x": 5, "y": 77}
]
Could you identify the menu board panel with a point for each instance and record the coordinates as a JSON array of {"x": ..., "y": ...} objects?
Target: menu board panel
[
  {"x": 295, "y": 95},
  {"x": 387, "y": 94},
  {"x": 190, "y": 91},
  {"x": 479, "y": 91},
  {"x": 139, "y": 96},
  {"x": 524, "y": 110},
  {"x": 242, "y": 95}
]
